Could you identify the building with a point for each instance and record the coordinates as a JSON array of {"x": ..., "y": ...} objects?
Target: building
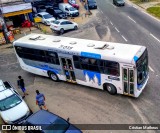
[{"x": 16, "y": 12}]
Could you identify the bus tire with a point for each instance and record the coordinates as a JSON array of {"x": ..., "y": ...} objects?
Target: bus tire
[
  {"x": 53, "y": 76},
  {"x": 110, "y": 88}
]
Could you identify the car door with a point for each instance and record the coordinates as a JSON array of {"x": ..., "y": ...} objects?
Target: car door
[
  {"x": 40, "y": 16},
  {"x": 69, "y": 25},
  {"x": 64, "y": 25}
]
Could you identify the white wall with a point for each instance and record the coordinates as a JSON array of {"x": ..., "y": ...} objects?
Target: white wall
[
  {"x": 15, "y": 8},
  {"x": 8, "y": 1}
]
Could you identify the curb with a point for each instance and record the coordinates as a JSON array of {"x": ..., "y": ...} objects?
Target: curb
[{"x": 142, "y": 9}]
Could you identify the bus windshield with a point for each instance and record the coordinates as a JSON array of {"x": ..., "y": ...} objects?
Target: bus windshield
[{"x": 142, "y": 68}]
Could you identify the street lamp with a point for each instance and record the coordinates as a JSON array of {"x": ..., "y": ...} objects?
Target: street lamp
[{"x": 3, "y": 24}]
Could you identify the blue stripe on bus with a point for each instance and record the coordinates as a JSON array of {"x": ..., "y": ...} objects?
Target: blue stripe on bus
[
  {"x": 91, "y": 55},
  {"x": 47, "y": 69},
  {"x": 139, "y": 86},
  {"x": 91, "y": 76},
  {"x": 135, "y": 58}
]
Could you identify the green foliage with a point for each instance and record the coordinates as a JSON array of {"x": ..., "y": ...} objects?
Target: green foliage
[
  {"x": 154, "y": 11},
  {"x": 44, "y": 31}
]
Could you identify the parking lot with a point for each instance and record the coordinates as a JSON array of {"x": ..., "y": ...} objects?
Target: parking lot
[{"x": 83, "y": 105}]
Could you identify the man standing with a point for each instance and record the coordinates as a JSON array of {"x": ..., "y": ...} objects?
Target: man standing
[
  {"x": 40, "y": 98},
  {"x": 21, "y": 85}
]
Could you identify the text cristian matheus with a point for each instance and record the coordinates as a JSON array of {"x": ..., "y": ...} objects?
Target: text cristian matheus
[
  {"x": 143, "y": 127},
  {"x": 26, "y": 127}
]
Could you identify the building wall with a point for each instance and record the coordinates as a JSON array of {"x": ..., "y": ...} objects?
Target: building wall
[
  {"x": 10, "y": 1},
  {"x": 65, "y": 1}
]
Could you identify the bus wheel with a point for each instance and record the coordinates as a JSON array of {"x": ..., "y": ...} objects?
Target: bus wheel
[
  {"x": 111, "y": 89},
  {"x": 53, "y": 76}
]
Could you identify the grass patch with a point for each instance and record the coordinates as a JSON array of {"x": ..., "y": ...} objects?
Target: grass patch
[
  {"x": 144, "y": 1},
  {"x": 158, "y": 4},
  {"x": 154, "y": 11}
]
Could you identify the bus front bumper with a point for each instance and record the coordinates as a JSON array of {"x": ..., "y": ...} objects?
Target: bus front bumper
[{"x": 139, "y": 91}]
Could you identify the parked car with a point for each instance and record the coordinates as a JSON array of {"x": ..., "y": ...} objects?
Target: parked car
[
  {"x": 57, "y": 13},
  {"x": 63, "y": 25},
  {"x": 73, "y": 3},
  {"x": 46, "y": 18},
  {"x": 92, "y": 4},
  {"x": 13, "y": 108},
  {"x": 119, "y": 2},
  {"x": 68, "y": 9},
  {"x": 41, "y": 8},
  {"x": 50, "y": 122}
]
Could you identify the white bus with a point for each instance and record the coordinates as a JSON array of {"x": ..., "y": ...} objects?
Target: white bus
[{"x": 117, "y": 68}]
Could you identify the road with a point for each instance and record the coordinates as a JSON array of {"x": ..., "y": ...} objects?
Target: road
[{"x": 134, "y": 26}]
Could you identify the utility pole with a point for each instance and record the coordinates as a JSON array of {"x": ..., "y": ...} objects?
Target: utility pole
[
  {"x": 88, "y": 11},
  {"x": 4, "y": 27}
]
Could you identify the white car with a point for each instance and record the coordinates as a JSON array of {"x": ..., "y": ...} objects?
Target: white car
[
  {"x": 62, "y": 25},
  {"x": 46, "y": 18},
  {"x": 13, "y": 108}
]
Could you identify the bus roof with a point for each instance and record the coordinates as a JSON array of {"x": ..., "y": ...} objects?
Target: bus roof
[{"x": 119, "y": 52}]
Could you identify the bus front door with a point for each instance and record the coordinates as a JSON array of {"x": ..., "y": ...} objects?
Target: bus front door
[
  {"x": 128, "y": 81},
  {"x": 68, "y": 70}
]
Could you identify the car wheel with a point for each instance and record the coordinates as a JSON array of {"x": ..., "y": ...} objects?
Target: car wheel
[
  {"x": 75, "y": 28},
  {"x": 111, "y": 89},
  {"x": 45, "y": 23},
  {"x": 61, "y": 31},
  {"x": 53, "y": 76}
]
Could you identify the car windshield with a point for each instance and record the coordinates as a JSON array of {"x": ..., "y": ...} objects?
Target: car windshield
[
  {"x": 72, "y": 9},
  {"x": 120, "y": 0},
  {"x": 91, "y": 1},
  {"x": 47, "y": 16},
  {"x": 73, "y": 2},
  {"x": 9, "y": 102},
  {"x": 42, "y": 7},
  {"x": 59, "y": 126},
  {"x": 58, "y": 11},
  {"x": 56, "y": 22}
]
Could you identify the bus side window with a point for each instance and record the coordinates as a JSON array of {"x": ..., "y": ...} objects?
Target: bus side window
[
  {"x": 101, "y": 63},
  {"x": 93, "y": 61},
  {"x": 84, "y": 61},
  {"x": 111, "y": 68},
  {"x": 131, "y": 76},
  {"x": 125, "y": 77},
  {"x": 76, "y": 62},
  {"x": 39, "y": 52},
  {"x": 52, "y": 57}
]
